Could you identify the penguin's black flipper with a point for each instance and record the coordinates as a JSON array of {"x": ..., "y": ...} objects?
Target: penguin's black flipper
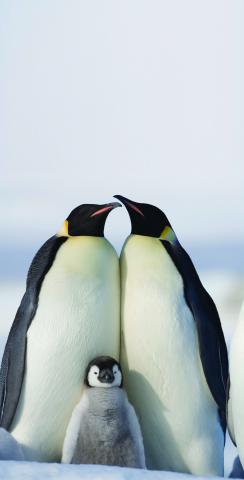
[
  {"x": 212, "y": 346},
  {"x": 13, "y": 362},
  {"x": 211, "y": 339}
]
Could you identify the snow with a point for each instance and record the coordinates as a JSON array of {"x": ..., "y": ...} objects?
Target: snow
[
  {"x": 10, "y": 448},
  {"x": 36, "y": 471}
]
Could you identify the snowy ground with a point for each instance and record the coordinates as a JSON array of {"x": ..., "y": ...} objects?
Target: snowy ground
[
  {"x": 27, "y": 471},
  {"x": 227, "y": 291}
]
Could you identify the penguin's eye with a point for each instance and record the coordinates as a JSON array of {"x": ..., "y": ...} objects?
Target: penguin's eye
[{"x": 95, "y": 373}]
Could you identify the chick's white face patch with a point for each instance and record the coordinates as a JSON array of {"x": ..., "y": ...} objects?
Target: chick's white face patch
[
  {"x": 93, "y": 377},
  {"x": 117, "y": 376}
]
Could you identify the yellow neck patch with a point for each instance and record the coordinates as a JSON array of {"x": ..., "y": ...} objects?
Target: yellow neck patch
[
  {"x": 168, "y": 234},
  {"x": 63, "y": 232}
]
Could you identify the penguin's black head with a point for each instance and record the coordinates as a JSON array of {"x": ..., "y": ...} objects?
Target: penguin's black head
[
  {"x": 103, "y": 372},
  {"x": 147, "y": 220},
  {"x": 87, "y": 219}
]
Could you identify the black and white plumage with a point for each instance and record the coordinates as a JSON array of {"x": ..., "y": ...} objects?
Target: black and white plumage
[
  {"x": 173, "y": 351},
  {"x": 104, "y": 428},
  {"x": 69, "y": 312}
]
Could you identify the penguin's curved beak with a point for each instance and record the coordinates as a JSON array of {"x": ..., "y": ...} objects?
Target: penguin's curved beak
[
  {"x": 107, "y": 207},
  {"x": 129, "y": 204}
]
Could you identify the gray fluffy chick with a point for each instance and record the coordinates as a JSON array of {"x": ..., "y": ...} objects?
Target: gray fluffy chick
[{"x": 104, "y": 428}]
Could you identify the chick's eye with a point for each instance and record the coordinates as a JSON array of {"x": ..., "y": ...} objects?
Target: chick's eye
[{"x": 95, "y": 373}]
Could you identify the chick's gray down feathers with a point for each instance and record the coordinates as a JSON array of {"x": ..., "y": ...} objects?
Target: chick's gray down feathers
[{"x": 104, "y": 430}]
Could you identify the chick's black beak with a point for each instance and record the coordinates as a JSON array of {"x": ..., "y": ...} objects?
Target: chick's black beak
[{"x": 106, "y": 376}]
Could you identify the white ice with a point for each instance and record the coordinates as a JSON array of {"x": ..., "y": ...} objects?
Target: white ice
[{"x": 37, "y": 471}]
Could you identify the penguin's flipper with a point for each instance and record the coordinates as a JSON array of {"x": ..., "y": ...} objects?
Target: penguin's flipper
[
  {"x": 13, "y": 362},
  {"x": 12, "y": 368},
  {"x": 212, "y": 346}
]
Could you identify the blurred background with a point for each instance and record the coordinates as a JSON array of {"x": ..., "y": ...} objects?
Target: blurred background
[{"x": 140, "y": 98}]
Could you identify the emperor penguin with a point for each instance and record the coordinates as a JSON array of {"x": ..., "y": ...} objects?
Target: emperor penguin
[
  {"x": 104, "y": 428},
  {"x": 236, "y": 388},
  {"x": 173, "y": 351},
  {"x": 69, "y": 314}
]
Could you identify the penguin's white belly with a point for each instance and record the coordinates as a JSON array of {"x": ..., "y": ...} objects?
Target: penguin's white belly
[
  {"x": 76, "y": 320},
  {"x": 163, "y": 370},
  {"x": 237, "y": 386}
]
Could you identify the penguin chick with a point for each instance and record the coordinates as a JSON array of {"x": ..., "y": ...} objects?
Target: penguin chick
[{"x": 104, "y": 428}]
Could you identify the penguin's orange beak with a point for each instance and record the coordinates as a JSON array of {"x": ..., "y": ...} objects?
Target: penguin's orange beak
[{"x": 106, "y": 208}]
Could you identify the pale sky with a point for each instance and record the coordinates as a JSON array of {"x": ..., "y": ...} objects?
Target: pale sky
[{"x": 139, "y": 98}]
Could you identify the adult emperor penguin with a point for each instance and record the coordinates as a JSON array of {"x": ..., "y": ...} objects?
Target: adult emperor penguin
[
  {"x": 68, "y": 315},
  {"x": 173, "y": 351},
  {"x": 236, "y": 389},
  {"x": 104, "y": 428}
]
